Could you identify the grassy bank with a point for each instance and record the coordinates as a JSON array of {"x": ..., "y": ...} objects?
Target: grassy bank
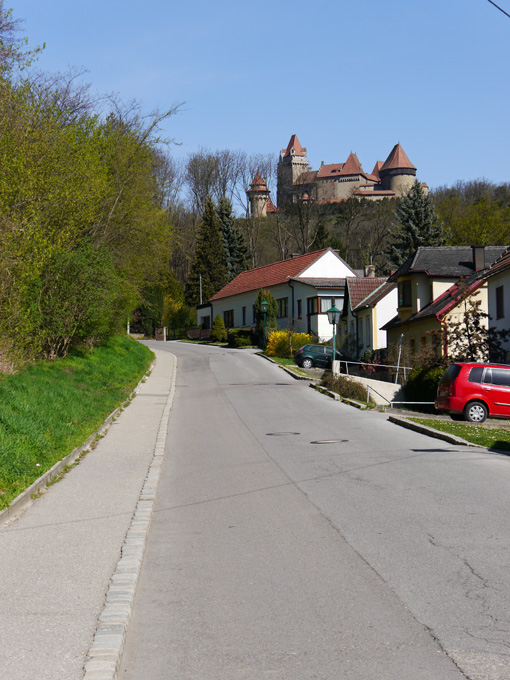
[
  {"x": 496, "y": 438},
  {"x": 52, "y": 407}
]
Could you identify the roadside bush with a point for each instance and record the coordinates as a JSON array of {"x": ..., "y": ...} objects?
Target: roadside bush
[
  {"x": 218, "y": 331},
  {"x": 422, "y": 383},
  {"x": 241, "y": 337},
  {"x": 345, "y": 387},
  {"x": 279, "y": 343}
]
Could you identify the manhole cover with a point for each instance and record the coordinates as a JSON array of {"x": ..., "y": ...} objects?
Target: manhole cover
[
  {"x": 281, "y": 434},
  {"x": 330, "y": 441}
]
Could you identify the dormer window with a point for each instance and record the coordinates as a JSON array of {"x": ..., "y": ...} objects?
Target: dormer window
[{"x": 405, "y": 296}]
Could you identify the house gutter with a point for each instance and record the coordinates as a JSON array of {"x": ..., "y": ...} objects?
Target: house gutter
[{"x": 293, "y": 310}]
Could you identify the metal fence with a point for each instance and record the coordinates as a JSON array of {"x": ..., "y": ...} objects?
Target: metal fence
[{"x": 384, "y": 372}]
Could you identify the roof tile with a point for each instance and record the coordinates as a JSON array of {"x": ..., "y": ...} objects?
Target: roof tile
[{"x": 270, "y": 275}]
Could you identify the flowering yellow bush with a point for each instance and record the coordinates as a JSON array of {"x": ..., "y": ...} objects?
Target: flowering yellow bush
[{"x": 278, "y": 344}]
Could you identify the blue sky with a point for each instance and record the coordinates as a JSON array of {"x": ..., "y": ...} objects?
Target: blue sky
[{"x": 344, "y": 76}]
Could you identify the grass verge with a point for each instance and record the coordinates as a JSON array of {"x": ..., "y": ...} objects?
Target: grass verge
[
  {"x": 52, "y": 407},
  {"x": 476, "y": 434}
]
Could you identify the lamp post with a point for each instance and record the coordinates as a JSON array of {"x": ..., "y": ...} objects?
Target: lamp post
[
  {"x": 264, "y": 305},
  {"x": 333, "y": 318}
]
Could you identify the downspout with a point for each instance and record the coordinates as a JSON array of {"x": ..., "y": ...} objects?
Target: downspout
[{"x": 292, "y": 288}]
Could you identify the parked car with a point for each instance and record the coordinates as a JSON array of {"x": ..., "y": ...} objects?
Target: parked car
[
  {"x": 475, "y": 391},
  {"x": 318, "y": 356}
]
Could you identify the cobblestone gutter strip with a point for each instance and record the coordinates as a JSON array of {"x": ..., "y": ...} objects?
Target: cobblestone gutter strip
[
  {"x": 106, "y": 651},
  {"x": 430, "y": 431},
  {"x": 26, "y": 498}
]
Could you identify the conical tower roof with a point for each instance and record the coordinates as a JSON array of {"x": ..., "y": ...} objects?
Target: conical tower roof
[
  {"x": 294, "y": 144},
  {"x": 397, "y": 160},
  {"x": 258, "y": 184},
  {"x": 352, "y": 166}
]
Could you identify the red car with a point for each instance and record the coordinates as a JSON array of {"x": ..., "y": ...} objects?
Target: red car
[{"x": 475, "y": 391}]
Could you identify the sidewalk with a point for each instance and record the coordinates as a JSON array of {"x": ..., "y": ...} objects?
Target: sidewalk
[{"x": 58, "y": 558}]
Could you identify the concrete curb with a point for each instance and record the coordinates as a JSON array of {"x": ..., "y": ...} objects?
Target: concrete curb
[
  {"x": 431, "y": 432},
  {"x": 106, "y": 651},
  {"x": 26, "y": 498},
  {"x": 288, "y": 369},
  {"x": 338, "y": 397}
]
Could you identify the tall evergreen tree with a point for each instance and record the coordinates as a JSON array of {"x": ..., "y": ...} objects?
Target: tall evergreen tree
[
  {"x": 416, "y": 225},
  {"x": 208, "y": 268},
  {"x": 233, "y": 241}
]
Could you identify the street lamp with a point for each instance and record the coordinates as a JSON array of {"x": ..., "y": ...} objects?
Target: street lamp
[
  {"x": 334, "y": 318},
  {"x": 264, "y": 305}
]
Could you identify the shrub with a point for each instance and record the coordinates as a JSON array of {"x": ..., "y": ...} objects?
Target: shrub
[
  {"x": 345, "y": 387},
  {"x": 279, "y": 343},
  {"x": 218, "y": 331},
  {"x": 422, "y": 383},
  {"x": 241, "y": 337}
]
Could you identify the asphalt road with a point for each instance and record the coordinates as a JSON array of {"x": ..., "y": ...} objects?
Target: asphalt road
[{"x": 297, "y": 538}]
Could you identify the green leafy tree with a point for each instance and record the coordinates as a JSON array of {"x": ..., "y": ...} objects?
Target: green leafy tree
[
  {"x": 233, "y": 241},
  {"x": 218, "y": 330},
  {"x": 416, "y": 225},
  {"x": 208, "y": 270}
]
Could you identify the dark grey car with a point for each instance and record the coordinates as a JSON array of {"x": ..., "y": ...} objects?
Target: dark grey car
[{"x": 318, "y": 356}]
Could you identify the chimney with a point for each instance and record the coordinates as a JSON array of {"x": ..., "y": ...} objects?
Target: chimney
[
  {"x": 478, "y": 257},
  {"x": 370, "y": 271}
]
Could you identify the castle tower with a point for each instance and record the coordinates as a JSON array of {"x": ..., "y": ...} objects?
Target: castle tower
[
  {"x": 258, "y": 195},
  {"x": 397, "y": 173},
  {"x": 291, "y": 164}
]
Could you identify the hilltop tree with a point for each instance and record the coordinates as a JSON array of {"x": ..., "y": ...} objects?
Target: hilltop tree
[
  {"x": 208, "y": 270},
  {"x": 416, "y": 225},
  {"x": 233, "y": 241}
]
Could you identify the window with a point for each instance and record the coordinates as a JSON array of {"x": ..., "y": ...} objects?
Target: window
[
  {"x": 244, "y": 316},
  {"x": 312, "y": 305},
  {"x": 475, "y": 374},
  {"x": 367, "y": 330},
  {"x": 405, "y": 296},
  {"x": 299, "y": 309},
  {"x": 228, "y": 318},
  {"x": 253, "y": 314},
  {"x": 501, "y": 376},
  {"x": 327, "y": 303},
  {"x": 500, "y": 306},
  {"x": 360, "y": 332},
  {"x": 282, "y": 308}
]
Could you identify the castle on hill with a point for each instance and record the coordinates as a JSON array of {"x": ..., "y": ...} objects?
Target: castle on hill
[{"x": 333, "y": 183}]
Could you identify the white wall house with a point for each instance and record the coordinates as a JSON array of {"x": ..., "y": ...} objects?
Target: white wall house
[
  {"x": 369, "y": 303},
  {"x": 304, "y": 287}
]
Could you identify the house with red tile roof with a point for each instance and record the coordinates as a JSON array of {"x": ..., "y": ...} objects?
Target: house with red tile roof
[
  {"x": 434, "y": 287},
  {"x": 369, "y": 303},
  {"x": 336, "y": 182},
  {"x": 304, "y": 286}
]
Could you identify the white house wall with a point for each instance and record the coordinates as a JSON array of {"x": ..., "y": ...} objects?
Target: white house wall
[
  {"x": 328, "y": 266},
  {"x": 385, "y": 310}
]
